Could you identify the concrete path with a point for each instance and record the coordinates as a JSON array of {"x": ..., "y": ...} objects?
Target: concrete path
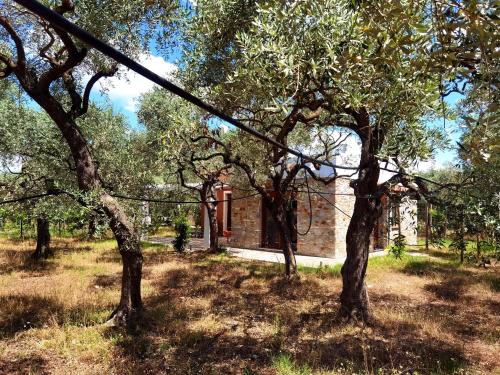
[
  {"x": 196, "y": 244},
  {"x": 277, "y": 257}
]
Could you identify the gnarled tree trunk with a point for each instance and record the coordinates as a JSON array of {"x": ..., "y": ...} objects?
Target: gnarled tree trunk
[
  {"x": 42, "y": 239},
  {"x": 354, "y": 299},
  {"x": 130, "y": 305},
  {"x": 89, "y": 181},
  {"x": 280, "y": 216},
  {"x": 214, "y": 228},
  {"x": 64, "y": 112},
  {"x": 207, "y": 195}
]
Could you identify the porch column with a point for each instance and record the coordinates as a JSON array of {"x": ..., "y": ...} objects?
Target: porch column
[{"x": 206, "y": 229}]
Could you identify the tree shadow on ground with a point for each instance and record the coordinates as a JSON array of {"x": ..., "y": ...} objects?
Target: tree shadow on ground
[
  {"x": 21, "y": 312},
  {"x": 371, "y": 353},
  {"x": 463, "y": 275},
  {"x": 427, "y": 267},
  {"x": 68, "y": 246},
  {"x": 21, "y": 261},
  {"x": 109, "y": 256},
  {"x": 228, "y": 319},
  {"x": 107, "y": 281},
  {"x": 32, "y": 364},
  {"x": 450, "y": 289}
]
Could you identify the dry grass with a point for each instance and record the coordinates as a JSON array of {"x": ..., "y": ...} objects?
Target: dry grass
[
  {"x": 219, "y": 315},
  {"x": 163, "y": 232}
]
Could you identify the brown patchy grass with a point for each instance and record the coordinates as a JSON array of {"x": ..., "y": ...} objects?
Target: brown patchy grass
[{"x": 220, "y": 315}]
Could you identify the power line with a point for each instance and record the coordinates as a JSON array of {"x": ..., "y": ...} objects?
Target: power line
[
  {"x": 141, "y": 199},
  {"x": 331, "y": 203},
  {"x": 25, "y": 198},
  {"x": 68, "y": 26},
  {"x": 152, "y": 200}
]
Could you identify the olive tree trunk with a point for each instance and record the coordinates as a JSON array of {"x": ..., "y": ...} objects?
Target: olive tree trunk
[
  {"x": 354, "y": 299},
  {"x": 214, "y": 228},
  {"x": 280, "y": 216},
  {"x": 130, "y": 304},
  {"x": 42, "y": 239}
]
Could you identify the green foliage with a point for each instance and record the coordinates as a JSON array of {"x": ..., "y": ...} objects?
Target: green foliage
[
  {"x": 285, "y": 365},
  {"x": 183, "y": 232},
  {"x": 323, "y": 270},
  {"x": 468, "y": 210},
  {"x": 490, "y": 247},
  {"x": 222, "y": 250},
  {"x": 398, "y": 246},
  {"x": 317, "y": 60}
]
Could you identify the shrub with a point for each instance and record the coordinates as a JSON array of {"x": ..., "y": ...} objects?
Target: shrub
[
  {"x": 222, "y": 250},
  {"x": 183, "y": 233},
  {"x": 398, "y": 246}
]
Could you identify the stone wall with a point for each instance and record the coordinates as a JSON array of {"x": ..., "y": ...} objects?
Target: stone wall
[
  {"x": 326, "y": 236},
  {"x": 320, "y": 240},
  {"x": 328, "y": 231},
  {"x": 246, "y": 220}
]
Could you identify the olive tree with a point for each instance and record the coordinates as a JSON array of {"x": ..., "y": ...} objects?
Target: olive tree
[
  {"x": 177, "y": 131},
  {"x": 356, "y": 67},
  {"x": 52, "y": 68}
]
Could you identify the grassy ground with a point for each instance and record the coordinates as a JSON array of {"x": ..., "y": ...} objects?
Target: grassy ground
[{"x": 220, "y": 315}]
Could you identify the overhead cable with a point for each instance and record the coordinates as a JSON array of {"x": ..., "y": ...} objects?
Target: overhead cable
[{"x": 64, "y": 24}]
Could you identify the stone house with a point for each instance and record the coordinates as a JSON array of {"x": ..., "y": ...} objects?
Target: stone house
[{"x": 246, "y": 222}]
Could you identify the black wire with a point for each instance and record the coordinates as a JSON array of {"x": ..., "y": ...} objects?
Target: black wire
[
  {"x": 144, "y": 199},
  {"x": 141, "y": 199},
  {"x": 331, "y": 203},
  {"x": 305, "y": 191},
  {"x": 310, "y": 208},
  {"x": 68, "y": 26},
  {"x": 25, "y": 198}
]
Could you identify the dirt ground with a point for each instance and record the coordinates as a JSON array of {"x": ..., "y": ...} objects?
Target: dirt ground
[{"x": 221, "y": 315}]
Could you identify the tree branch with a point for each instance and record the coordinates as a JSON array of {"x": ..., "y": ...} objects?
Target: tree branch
[
  {"x": 88, "y": 88},
  {"x": 58, "y": 70},
  {"x": 21, "y": 55}
]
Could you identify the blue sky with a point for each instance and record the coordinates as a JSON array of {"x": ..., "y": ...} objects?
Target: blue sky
[{"x": 123, "y": 93}]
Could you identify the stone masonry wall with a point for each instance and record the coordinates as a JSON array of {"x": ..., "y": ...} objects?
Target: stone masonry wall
[
  {"x": 328, "y": 229},
  {"x": 329, "y": 224},
  {"x": 320, "y": 240},
  {"x": 245, "y": 220}
]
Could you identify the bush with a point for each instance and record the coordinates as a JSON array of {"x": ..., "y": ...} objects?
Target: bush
[
  {"x": 183, "y": 233},
  {"x": 398, "y": 247}
]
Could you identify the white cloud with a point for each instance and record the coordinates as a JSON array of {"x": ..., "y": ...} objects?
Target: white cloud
[
  {"x": 128, "y": 86},
  {"x": 12, "y": 164},
  {"x": 427, "y": 165}
]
